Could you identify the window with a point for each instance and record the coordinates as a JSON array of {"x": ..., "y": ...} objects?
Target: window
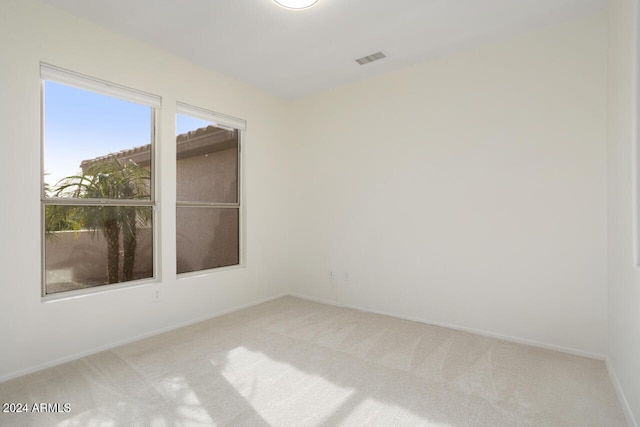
[
  {"x": 97, "y": 182},
  {"x": 208, "y": 189}
]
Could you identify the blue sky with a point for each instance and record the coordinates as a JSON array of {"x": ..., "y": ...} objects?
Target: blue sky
[{"x": 80, "y": 125}]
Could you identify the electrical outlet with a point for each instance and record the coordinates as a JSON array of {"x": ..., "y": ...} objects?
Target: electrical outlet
[
  {"x": 346, "y": 276},
  {"x": 331, "y": 277},
  {"x": 157, "y": 295}
]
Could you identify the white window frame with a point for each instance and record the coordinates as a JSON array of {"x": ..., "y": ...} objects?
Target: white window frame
[
  {"x": 231, "y": 123},
  {"x": 81, "y": 81}
]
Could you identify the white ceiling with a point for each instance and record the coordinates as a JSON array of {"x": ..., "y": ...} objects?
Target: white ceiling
[{"x": 295, "y": 53}]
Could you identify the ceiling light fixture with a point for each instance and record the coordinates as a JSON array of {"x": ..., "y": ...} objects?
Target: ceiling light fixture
[{"x": 296, "y": 4}]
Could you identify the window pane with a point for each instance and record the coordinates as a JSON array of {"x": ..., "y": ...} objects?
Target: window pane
[
  {"x": 95, "y": 136},
  {"x": 95, "y": 148},
  {"x": 87, "y": 246},
  {"x": 207, "y": 162},
  {"x": 207, "y": 238}
]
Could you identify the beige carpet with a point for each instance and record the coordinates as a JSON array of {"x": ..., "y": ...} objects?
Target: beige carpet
[{"x": 292, "y": 362}]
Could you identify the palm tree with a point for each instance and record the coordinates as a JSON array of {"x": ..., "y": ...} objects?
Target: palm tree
[{"x": 107, "y": 179}]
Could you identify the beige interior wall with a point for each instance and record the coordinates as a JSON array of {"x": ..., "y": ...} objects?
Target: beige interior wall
[
  {"x": 623, "y": 272},
  {"x": 468, "y": 191},
  {"x": 32, "y": 32}
]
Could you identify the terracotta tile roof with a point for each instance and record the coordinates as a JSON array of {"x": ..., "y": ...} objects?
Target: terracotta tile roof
[{"x": 192, "y": 142}]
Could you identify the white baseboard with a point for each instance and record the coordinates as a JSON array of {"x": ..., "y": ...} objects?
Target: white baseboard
[
  {"x": 488, "y": 334},
  {"x": 109, "y": 346},
  {"x": 621, "y": 397}
]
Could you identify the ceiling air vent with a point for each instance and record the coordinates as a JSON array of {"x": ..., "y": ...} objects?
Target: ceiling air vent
[{"x": 370, "y": 58}]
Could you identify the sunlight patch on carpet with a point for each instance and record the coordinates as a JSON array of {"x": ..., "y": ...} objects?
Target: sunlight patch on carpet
[{"x": 276, "y": 389}]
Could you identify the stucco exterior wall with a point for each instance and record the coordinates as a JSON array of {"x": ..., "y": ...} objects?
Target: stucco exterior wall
[{"x": 65, "y": 249}]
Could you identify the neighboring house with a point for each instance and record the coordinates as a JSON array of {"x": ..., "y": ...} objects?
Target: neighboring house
[{"x": 210, "y": 149}]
